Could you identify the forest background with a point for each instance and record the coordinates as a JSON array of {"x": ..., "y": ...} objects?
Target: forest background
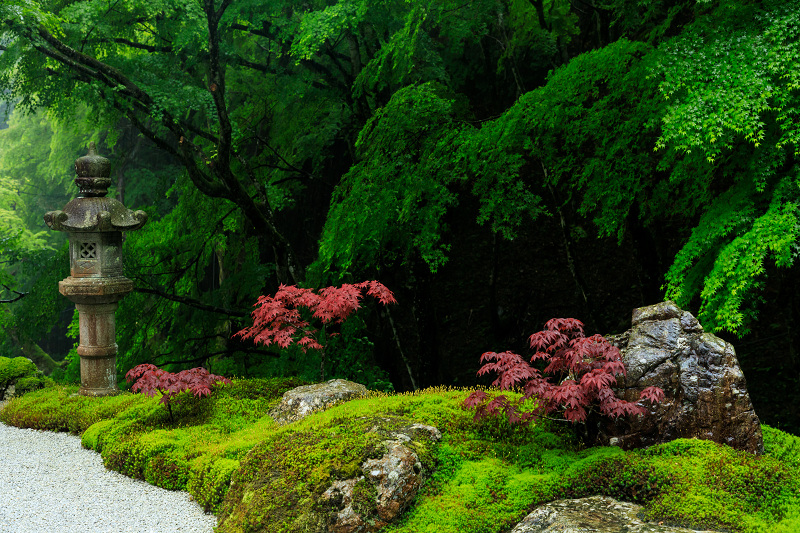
[{"x": 495, "y": 163}]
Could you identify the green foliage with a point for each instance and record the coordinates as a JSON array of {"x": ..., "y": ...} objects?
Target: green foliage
[
  {"x": 32, "y": 383},
  {"x": 12, "y": 370},
  {"x": 349, "y": 355},
  {"x": 197, "y": 253},
  {"x": 782, "y": 446},
  {"x": 741, "y": 125},
  {"x": 59, "y": 408},
  {"x": 391, "y": 203}
]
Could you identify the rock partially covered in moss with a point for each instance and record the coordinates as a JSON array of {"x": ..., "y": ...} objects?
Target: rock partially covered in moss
[
  {"x": 300, "y": 402},
  {"x": 599, "y": 514},
  {"x": 12, "y": 370},
  {"x": 705, "y": 391},
  {"x": 348, "y": 476}
]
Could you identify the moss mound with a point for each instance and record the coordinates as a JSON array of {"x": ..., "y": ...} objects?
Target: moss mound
[
  {"x": 280, "y": 484},
  {"x": 481, "y": 477},
  {"x": 16, "y": 370}
]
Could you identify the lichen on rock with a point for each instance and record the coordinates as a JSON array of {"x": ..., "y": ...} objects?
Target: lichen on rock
[
  {"x": 353, "y": 475},
  {"x": 300, "y": 402},
  {"x": 596, "y": 514}
]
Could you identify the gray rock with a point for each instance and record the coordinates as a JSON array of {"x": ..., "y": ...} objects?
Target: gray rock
[
  {"x": 300, "y": 402},
  {"x": 9, "y": 393},
  {"x": 597, "y": 514},
  {"x": 388, "y": 484},
  {"x": 705, "y": 391}
]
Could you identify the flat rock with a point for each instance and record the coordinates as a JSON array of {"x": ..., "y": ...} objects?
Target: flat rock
[
  {"x": 597, "y": 514},
  {"x": 300, "y": 402}
]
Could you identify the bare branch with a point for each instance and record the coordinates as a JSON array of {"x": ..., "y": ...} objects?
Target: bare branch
[
  {"x": 20, "y": 295},
  {"x": 191, "y": 302},
  {"x": 142, "y": 46}
]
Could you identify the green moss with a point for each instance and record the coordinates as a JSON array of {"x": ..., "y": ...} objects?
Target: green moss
[
  {"x": 168, "y": 471},
  {"x": 781, "y": 446},
  {"x": 31, "y": 383},
  {"x": 60, "y": 408},
  {"x": 483, "y": 477},
  {"x": 365, "y": 497},
  {"x": 280, "y": 482},
  {"x": 12, "y": 370},
  {"x": 209, "y": 480}
]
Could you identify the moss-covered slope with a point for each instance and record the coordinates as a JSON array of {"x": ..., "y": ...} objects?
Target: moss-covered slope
[{"x": 481, "y": 477}]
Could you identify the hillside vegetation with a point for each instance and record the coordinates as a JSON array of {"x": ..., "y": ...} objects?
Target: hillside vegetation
[{"x": 483, "y": 476}]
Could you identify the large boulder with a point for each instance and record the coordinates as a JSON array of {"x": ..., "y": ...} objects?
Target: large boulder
[
  {"x": 300, "y": 402},
  {"x": 705, "y": 391},
  {"x": 598, "y": 514}
]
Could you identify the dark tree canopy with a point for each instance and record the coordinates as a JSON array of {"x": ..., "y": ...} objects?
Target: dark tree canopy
[{"x": 578, "y": 159}]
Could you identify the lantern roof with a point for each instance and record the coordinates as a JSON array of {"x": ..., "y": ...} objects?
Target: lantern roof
[{"x": 91, "y": 210}]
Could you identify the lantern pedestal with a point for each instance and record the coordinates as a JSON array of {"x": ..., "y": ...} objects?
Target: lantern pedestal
[
  {"x": 96, "y": 284},
  {"x": 98, "y": 349}
]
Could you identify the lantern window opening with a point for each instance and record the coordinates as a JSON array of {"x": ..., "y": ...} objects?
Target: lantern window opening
[{"x": 88, "y": 250}]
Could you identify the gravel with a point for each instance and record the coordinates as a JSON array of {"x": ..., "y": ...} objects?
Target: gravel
[{"x": 50, "y": 484}]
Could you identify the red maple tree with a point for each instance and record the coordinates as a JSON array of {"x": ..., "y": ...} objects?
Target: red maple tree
[
  {"x": 149, "y": 379},
  {"x": 278, "y": 319},
  {"x": 588, "y": 367}
]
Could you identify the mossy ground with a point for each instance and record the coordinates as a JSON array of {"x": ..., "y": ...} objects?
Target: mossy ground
[{"x": 485, "y": 476}]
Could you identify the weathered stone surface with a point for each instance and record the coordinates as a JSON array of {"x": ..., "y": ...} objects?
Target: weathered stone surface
[
  {"x": 394, "y": 479},
  {"x": 598, "y": 514},
  {"x": 300, "y": 402},
  {"x": 386, "y": 461},
  {"x": 95, "y": 224},
  {"x": 705, "y": 391}
]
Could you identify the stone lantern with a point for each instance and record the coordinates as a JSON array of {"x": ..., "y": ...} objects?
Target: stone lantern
[{"x": 95, "y": 224}]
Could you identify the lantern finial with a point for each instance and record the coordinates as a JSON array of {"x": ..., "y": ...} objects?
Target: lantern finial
[{"x": 94, "y": 173}]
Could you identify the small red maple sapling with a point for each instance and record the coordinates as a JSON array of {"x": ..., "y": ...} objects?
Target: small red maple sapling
[
  {"x": 589, "y": 366},
  {"x": 150, "y": 379},
  {"x": 277, "y": 319}
]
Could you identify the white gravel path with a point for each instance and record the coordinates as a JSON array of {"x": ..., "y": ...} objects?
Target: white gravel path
[{"x": 50, "y": 484}]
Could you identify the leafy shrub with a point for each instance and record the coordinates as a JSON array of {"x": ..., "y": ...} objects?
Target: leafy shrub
[
  {"x": 278, "y": 319},
  {"x": 13, "y": 369},
  {"x": 588, "y": 366},
  {"x": 31, "y": 383},
  {"x": 149, "y": 379}
]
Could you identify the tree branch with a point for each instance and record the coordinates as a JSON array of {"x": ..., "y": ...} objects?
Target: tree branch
[
  {"x": 20, "y": 295},
  {"x": 142, "y": 46},
  {"x": 191, "y": 302}
]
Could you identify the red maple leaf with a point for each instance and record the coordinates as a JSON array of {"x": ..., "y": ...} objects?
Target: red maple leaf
[
  {"x": 590, "y": 366},
  {"x": 149, "y": 379},
  {"x": 278, "y": 319}
]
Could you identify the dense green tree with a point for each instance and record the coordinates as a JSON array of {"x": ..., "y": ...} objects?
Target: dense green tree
[
  {"x": 333, "y": 141},
  {"x": 732, "y": 82}
]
